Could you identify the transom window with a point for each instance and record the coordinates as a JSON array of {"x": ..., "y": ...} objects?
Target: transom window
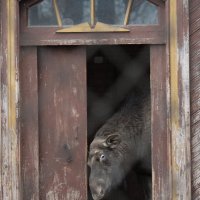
[{"x": 111, "y": 12}]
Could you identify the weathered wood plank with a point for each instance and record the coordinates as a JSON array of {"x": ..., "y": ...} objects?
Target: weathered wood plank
[
  {"x": 161, "y": 157},
  {"x": 193, "y": 5},
  {"x": 1, "y": 67},
  {"x": 47, "y": 36},
  {"x": 62, "y": 123},
  {"x": 10, "y": 138},
  {"x": 29, "y": 123},
  {"x": 180, "y": 104},
  {"x": 194, "y": 20},
  {"x": 195, "y": 95}
]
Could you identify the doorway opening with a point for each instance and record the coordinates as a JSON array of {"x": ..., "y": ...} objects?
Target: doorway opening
[{"x": 113, "y": 73}]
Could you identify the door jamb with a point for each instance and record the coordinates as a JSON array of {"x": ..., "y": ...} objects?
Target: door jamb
[{"x": 178, "y": 53}]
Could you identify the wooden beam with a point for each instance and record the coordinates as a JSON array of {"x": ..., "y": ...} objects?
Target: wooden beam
[
  {"x": 180, "y": 103},
  {"x": 195, "y": 96},
  {"x": 10, "y": 139},
  {"x": 29, "y": 123},
  {"x": 160, "y": 124},
  {"x": 1, "y": 64}
]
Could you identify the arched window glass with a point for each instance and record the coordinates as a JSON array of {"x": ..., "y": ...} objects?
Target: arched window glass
[
  {"x": 42, "y": 14},
  {"x": 143, "y": 12},
  {"x": 111, "y": 11},
  {"x": 73, "y": 12}
]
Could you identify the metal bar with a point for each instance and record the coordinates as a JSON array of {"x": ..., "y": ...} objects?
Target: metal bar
[
  {"x": 58, "y": 17},
  {"x": 128, "y": 10},
  {"x": 92, "y": 12}
]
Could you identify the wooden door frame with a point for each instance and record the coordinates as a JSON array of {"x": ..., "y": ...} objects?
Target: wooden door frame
[
  {"x": 177, "y": 99},
  {"x": 180, "y": 101},
  {"x": 10, "y": 134}
]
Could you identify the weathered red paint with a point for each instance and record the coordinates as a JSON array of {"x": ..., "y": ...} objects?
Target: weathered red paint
[
  {"x": 29, "y": 123},
  {"x": 160, "y": 108},
  {"x": 62, "y": 123}
]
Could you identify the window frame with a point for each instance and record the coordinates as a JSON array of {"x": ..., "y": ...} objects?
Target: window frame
[{"x": 47, "y": 35}]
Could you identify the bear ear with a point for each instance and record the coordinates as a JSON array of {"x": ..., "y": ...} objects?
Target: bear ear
[{"x": 112, "y": 141}]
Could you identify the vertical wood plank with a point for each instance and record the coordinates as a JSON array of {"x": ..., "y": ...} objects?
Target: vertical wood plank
[
  {"x": 10, "y": 137},
  {"x": 180, "y": 103},
  {"x": 195, "y": 95},
  {"x": 161, "y": 157},
  {"x": 1, "y": 73},
  {"x": 29, "y": 123},
  {"x": 62, "y": 123}
]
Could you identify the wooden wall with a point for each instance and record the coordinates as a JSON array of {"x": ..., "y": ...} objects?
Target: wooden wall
[{"x": 195, "y": 95}]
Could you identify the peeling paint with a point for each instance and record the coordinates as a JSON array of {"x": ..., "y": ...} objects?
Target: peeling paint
[
  {"x": 54, "y": 192},
  {"x": 52, "y": 195},
  {"x": 155, "y": 37},
  {"x": 75, "y": 113},
  {"x": 180, "y": 105},
  {"x": 74, "y": 91},
  {"x": 73, "y": 194}
]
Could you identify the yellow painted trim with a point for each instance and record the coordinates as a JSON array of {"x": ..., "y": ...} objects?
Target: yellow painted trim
[
  {"x": 58, "y": 17},
  {"x": 128, "y": 11},
  {"x": 174, "y": 63},
  {"x": 92, "y": 12},
  {"x": 11, "y": 64},
  {"x": 10, "y": 137},
  {"x": 175, "y": 109},
  {"x": 86, "y": 28}
]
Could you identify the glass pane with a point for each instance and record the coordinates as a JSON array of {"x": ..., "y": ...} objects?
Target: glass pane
[
  {"x": 143, "y": 12},
  {"x": 71, "y": 12},
  {"x": 74, "y": 12},
  {"x": 111, "y": 11},
  {"x": 42, "y": 14}
]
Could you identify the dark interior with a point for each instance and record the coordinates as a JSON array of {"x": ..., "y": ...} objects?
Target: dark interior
[{"x": 112, "y": 71}]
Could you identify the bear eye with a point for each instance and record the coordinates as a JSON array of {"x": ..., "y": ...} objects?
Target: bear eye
[{"x": 102, "y": 157}]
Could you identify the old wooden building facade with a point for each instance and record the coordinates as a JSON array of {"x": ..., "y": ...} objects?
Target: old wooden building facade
[{"x": 43, "y": 139}]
